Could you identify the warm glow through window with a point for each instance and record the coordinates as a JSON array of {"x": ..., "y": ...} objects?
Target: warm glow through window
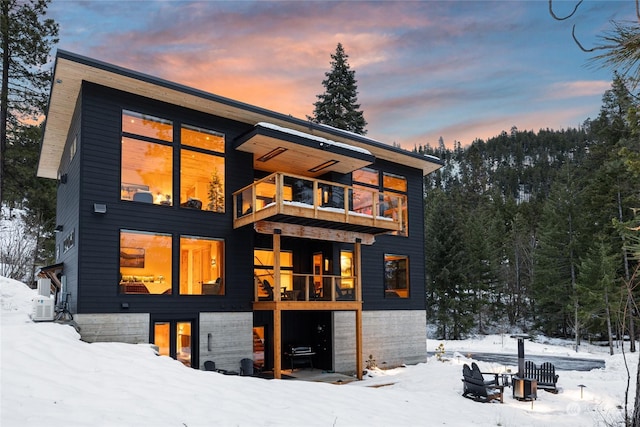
[
  {"x": 146, "y": 172},
  {"x": 202, "y": 172},
  {"x": 145, "y": 125},
  {"x": 145, "y": 263},
  {"x": 396, "y": 276},
  {"x": 201, "y": 266}
]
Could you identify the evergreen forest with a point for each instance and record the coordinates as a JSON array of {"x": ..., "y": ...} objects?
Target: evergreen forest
[{"x": 526, "y": 231}]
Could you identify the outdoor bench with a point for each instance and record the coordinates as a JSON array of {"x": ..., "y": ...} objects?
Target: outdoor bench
[{"x": 545, "y": 375}]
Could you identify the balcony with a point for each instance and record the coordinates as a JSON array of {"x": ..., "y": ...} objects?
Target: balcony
[
  {"x": 311, "y": 202},
  {"x": 304, "y": 291}
]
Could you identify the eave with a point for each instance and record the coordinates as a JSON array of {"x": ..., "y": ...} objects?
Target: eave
[{"x": 72, "y": 70}]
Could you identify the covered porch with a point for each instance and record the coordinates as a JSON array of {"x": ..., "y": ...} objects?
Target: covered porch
[{"x": 308, "y": 292}]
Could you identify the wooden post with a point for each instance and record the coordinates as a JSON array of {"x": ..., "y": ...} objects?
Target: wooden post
[
  {"x": 277, "y": 343},
  {"x": 277, "y": 314},
  {"x": 276, "y": 265},
  {"x": 359, "y": 343},
  {"x": 358, "y": 273}
]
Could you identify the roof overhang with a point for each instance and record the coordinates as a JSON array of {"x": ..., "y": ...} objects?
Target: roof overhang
[
  {"x": 72, "y": 70},
  {"x": 276, "y": 149}
]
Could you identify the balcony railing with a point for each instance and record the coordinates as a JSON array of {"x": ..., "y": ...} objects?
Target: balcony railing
[
  {"x": 307, "y": 287},
  {"x": 286, "y": 195}
]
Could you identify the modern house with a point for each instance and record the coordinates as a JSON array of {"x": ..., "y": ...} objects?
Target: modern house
[{"x": 220, "y": 231}]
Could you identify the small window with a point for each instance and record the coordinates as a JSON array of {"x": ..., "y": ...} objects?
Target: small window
[
  {"x": 145, "y": 263},
  {"x": 201, "y": 266},
  {"x": 145, "y": 125},
  {"x": 394, "y": 182},
  {"x": 396, "y": 276},
  {"x": 69, "y": 241},
  {"x": 366, "y": 176},
  {"x": 202, "y": 138}
]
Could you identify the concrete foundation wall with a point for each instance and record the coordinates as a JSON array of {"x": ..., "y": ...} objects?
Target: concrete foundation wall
[
  {"x": 121, "y": 327},
  {"x": 395, "y": 337},
  {"x": 344, "y": 341},
  {"x": 226, "y": 338}
]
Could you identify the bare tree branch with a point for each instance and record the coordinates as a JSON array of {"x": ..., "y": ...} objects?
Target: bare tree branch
[
  {"x": 582, "y": 48},
  {"x": 568, "y": 16}
]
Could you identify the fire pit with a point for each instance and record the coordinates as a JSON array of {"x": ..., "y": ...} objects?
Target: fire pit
[{"x": 523, "y": 388}]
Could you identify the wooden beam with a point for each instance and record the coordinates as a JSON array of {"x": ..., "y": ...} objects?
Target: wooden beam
[
  {"x": 317, "y": 233},
  {"x": 307, "y": 305}
]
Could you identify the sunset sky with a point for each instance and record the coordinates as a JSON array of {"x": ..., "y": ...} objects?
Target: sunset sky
[{"x": 459, "y": 70}]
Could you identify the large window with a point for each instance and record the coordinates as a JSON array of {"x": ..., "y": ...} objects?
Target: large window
[
  {"x": 392, "y": 195},
  {"x": 263, "y": 271},
  {"x": 145, "y": 262},
  {"x": 202, "y": 169},
  {"x": 147, "y": 159},
  {"x": 394, "y": 189},
  {"x": 396, "y": 276},
  {"x": 201, "y": 266}
]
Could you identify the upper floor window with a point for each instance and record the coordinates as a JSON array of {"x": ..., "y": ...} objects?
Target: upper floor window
[
  {"x": 69, "y": 241},
  {"x": 396, "y": 276},
  {"x": 366, "y": 176},
  {"x": 201, "y": 266},
  {"x": 392, "y": 195},
  {"x": 394, "y": 188},
  {"x": 202, "y": 169},
  {"x": 146, "y": 173},
  {"x": 145, "y": 262},
  {"x": 145, "y": 125}
]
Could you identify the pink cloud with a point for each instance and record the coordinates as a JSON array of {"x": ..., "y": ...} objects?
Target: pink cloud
[{"x": 575, "y": 89}]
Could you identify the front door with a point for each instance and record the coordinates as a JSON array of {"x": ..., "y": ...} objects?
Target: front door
[{"x": 174, "y": 339}]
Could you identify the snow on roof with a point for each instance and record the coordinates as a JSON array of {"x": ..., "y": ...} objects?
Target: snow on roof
[{"x": 313, "y": 137}]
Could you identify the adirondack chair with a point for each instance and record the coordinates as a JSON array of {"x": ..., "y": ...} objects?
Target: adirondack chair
[
  {"x": 545, "y": 375},
  {"x": 478, "y": 388}
]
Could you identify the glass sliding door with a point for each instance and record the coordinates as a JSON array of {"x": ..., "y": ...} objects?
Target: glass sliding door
[{"x": 173, "y": 339}]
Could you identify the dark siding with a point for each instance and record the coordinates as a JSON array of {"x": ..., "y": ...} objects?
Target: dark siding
[
  {"x": 413, "y": 246},
  {"x": 100, "y": 233},
  {"x": 66, "y": 208}
]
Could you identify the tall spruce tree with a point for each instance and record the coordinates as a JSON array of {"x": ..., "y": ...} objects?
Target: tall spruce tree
[
  {"x": 557, "y": 258},
  {"x": 338, "y": 105},
  {"x": 26, "y": 40}
]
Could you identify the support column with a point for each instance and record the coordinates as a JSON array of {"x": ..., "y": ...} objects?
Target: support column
[
  {"x": 277, "y": 343},
  {"x": 358, "y": 272},
  {"x": 277, "y": 314},
  {"x": 276, "y": 265}
]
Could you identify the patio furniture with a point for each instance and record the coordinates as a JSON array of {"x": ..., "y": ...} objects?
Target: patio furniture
[
  {"x": 545, "y": 375},
  {"x": 478, "y": 388}
]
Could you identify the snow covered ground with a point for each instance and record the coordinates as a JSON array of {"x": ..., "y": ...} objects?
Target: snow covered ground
[{"x": 48, "y": 377}]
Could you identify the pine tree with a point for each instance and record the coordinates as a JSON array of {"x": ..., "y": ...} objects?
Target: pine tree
[
  {"x": 338, "y": 105},
  {"x": 26, "y": 40},
  {"x": 557, "y": 258}
]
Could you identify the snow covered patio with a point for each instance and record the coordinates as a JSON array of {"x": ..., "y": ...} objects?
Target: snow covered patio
[{"x": 49, "y": 377}]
